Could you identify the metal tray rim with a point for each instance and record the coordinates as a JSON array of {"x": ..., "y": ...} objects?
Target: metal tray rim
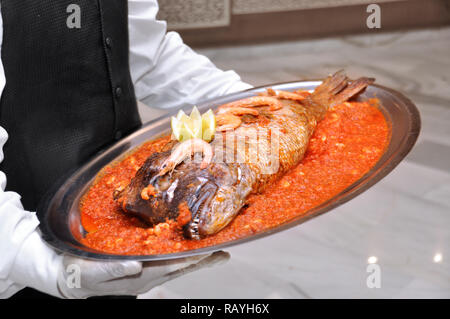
[{"x": 352, "y": 191}]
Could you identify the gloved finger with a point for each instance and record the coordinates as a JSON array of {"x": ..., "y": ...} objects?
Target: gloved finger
[
  {"x": 190, "y": 264},
  {"x": 119, "y": 269},
  {"x": 92, "y": 271},
  {"x": 174, "y": 264},
  {"x": 217, "y": 258},
  {"x": 156, "y": 273}
]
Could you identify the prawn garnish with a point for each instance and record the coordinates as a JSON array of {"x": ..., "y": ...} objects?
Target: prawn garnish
[
  {"x": 255, "y": 101},
  {"x": 187, "y": 149},
  {"x": 238, "y": 110},
  {"x": 227, "y": 121},
  {"x": 286, "y": 95}
]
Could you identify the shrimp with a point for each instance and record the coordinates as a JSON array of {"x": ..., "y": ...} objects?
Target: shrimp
[
  {"x": 185, "y": 149},
  {"x": 286, "y": 95},
  {"x": 227, "y": 121},
  {"x": 238, "y": 110},
  {"x": 273, "y": 103}
]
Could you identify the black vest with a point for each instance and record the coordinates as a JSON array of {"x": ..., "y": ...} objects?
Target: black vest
[{"x": 68, "y": 90}]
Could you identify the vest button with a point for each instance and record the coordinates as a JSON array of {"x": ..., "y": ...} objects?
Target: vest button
[
  {"x": 108, "y": 42},
  {"x": 118, "y": 135},
  {"x": 118, "y": 92}
]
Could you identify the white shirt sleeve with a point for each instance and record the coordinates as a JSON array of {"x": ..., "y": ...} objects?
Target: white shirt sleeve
[
  {"x": 25, "y": 260},
  {"x": 166, "y": 72}
]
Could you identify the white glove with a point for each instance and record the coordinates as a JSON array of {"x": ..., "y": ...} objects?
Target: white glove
[
  {"x": 38, "y": 266},
  {"x": 125, "y": 277}
]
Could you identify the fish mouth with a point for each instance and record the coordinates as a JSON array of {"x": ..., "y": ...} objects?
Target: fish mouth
[{"x": 199, "y": 206}]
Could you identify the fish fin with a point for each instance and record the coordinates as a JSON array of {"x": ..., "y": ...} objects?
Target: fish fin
[
  {"x": 331, "y": 85},
  {"x": 351, "y": 90},
  {"x": 336, "y": 89},
  {"x": 324, "y": 93}
]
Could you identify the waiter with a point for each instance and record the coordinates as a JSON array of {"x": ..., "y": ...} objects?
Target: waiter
[{"x": 70, "y": 74}]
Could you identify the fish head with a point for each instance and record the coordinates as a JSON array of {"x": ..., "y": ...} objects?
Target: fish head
[
  {"x": 216, "y": 200},
  {"x": 212, "y": 195}
]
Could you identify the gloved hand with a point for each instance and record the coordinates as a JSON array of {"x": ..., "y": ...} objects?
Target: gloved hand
[
  {"x": 38, "y": 266},
  {"x": 125, "y": 277}
]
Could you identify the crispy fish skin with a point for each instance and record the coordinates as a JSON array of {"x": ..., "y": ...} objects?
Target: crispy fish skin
[{"x": 246, "y": 160}]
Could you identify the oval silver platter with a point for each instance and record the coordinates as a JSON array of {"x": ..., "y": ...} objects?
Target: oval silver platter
[{"x": 59, "y": 210}]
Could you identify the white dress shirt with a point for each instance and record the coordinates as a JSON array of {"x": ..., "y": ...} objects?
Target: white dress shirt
[{"x": 165, "y": 73}]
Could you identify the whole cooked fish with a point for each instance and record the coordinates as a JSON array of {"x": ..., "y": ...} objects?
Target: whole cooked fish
[{"x": 258, "y": 140}]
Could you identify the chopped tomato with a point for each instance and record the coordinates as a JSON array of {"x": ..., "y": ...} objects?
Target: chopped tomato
[{"x": 345, "y": 145}]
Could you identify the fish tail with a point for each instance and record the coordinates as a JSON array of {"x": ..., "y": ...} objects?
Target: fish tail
[
  {"x": 335, "y": 90},
  {"x": 333, "y": 84},
  {"x": 351, "y": 90}
]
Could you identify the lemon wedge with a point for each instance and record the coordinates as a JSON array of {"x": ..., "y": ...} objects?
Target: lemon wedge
[
  {"x": 208, "y": 125},
  {"x": 195, "y": 125}
]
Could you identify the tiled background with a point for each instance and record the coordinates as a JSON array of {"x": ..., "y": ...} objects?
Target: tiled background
[{"x": 404, "y": 221}]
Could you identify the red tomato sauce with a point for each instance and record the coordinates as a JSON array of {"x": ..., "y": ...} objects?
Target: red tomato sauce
[{"x": 345, "y": 145}]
